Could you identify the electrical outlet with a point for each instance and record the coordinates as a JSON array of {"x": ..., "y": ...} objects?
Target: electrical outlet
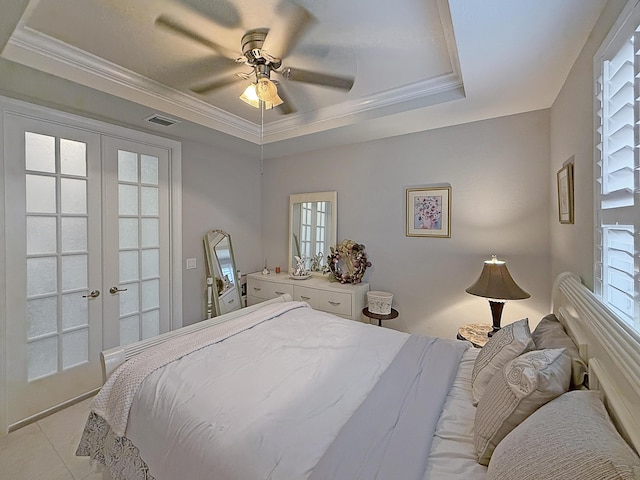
[{"x": 191, "y": 263}]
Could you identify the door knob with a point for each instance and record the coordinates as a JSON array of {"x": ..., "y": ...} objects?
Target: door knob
[
  {"x": 93, "y": 294},
  {"x": 114, "y": 290}
]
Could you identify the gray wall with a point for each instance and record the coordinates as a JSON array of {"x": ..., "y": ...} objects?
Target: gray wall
[
  {"x": 572, "y": 137},
  {"x": 219, "y": 191},
  {"x": 498, "y": 170}
]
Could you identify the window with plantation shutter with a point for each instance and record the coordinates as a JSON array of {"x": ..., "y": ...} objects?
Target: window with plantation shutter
[{"x": 617, "y": 205}]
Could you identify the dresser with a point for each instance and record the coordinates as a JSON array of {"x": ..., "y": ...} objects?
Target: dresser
[{"x": 343, "y": 300}]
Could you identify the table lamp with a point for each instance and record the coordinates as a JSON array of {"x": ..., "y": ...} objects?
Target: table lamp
[{"x": 496, "y": 284}]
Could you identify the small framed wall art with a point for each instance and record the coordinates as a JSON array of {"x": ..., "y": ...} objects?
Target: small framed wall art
[
  {"x": 565, "y": 193},
  {"x": 429, "y": 212}
]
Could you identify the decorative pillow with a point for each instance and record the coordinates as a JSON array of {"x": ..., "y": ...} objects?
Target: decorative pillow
[
  {"x": 522, "y": 386},
  {"x": 509, "y": 342},
  {"x": 569, "y": 438},
  {"x": 550, "y": 333}
]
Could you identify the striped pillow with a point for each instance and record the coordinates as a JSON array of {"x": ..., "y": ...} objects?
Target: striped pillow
[
  {"x": 509, "y": 342},
  {"x": 524, "y": 385},
  {"x": 569, "y": 438}
]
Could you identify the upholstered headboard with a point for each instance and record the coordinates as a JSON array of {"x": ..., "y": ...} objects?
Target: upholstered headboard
[{"x": 611, "y": 348}]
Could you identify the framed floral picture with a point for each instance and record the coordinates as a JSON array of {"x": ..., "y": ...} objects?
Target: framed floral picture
[
  {"x": 565, "y": 193},
  {"x": 429, "y": 212}
]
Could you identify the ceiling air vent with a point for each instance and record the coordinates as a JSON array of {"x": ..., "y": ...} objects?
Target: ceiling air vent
[{"x": 160, "y": 120}]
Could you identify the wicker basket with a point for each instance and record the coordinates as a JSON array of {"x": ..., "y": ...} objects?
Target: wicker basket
[{"x": 379, "y": 302}]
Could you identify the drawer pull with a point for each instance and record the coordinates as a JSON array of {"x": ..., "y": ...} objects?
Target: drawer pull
[
  {"x": 335, "y": 304},
  {"x": 230, "y": 301},
  {"x": 279, "y": 293},
  {"x": 257, "y": 289},
  {"x": 305, "y": 298}
]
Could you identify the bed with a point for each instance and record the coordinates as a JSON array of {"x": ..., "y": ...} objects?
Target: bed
[{"x": 281, "y": 391}]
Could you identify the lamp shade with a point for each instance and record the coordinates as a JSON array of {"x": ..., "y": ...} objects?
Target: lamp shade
[{"x": 495, "y": 282}]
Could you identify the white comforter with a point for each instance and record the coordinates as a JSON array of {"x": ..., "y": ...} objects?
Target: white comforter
[{"x": 263, "y": 391}]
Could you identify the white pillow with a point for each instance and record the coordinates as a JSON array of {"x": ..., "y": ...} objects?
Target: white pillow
[
  {"x": 569, "y": 438},
  {"x": 509, "y": 342},
  {"x": 522, "y": 386}
]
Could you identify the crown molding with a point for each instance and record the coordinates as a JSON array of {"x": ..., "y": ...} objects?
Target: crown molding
[{"x": 42, "y": 52}]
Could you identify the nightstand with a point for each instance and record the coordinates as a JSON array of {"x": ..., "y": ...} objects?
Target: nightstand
[
  {"x": 378, "y": 316},
  {"x": 476, "y": 333}
]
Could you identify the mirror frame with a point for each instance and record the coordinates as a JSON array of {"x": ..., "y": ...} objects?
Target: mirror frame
[
  {"x": 314, "y": 197},
  {"x": 214, "y": 268}
]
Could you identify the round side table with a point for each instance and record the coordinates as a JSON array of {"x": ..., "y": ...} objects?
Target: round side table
[
  {"x": 379, "y": 317},
  {"x": 476, "y": 333}
]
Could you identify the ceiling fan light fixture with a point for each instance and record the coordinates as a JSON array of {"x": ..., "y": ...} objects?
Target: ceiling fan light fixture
[
  {"x": 250, "y": 97},
  {"x": 267, "y": 91}
]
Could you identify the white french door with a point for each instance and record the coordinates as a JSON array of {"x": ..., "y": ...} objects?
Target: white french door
[
  {"x": 137, "y": 234},
  {"x": 88, "y": 256},
  {"x": 54, "y": 329}
]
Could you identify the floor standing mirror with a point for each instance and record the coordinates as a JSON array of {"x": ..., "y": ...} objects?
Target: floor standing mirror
[{"x": 223, "y": 292}]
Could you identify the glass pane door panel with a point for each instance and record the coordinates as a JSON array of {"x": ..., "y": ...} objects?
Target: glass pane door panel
[
  {"x": 150, "y": 294},
  {"x": 150, "y": 324},
  {"x": 150, "y": 232},
  {"x": 42, "y": 276},
  {"x": 40, "y": 152},
  {"x": 129, "y": 329},
  {"x": 43, "y": 357},
  {"x": 149, "y": 201},
  {"x": 129, "y": 299},
  {"x": 149, "y": 169},
  {"x": 127, "y": 166},
  {"x": 128, "y": 200},
  {"x": 73, "y": 157},
  {"x": 73, "y": 198},
  {"x": 73, "y": 231},
  {"x": 41, "y": 235},
  {"x": 151, "y": 263},
  {"x": 75, "y": 311},
  {"x": 75, "y": 348},
  {"x": 128, "y": 232},
  {"x": 41, "y": 194},
  {"x": 74, "y": 272},
  {"x": 42, "y": 316},
  {"x": 128, "y": 266}
]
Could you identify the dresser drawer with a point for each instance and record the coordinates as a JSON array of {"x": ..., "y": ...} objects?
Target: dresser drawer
[
  {"x": 338, "y": 303},
  {"x": 343, "y": 300},
  {"x": 267, "y": 290}
]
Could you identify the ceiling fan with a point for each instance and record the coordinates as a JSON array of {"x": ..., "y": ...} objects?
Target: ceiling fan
[{"x": 263, "y": 49}]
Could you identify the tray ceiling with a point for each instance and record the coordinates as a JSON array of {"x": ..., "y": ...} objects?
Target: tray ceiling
[{"x": 408, "y": 58}]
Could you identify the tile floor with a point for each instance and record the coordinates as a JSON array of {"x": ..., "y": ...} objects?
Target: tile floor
[{"x": 45, "y": 450}]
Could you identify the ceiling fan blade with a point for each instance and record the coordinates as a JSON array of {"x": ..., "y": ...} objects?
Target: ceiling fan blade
[
  {"x": 316, "y": 78},
  {"x": 287, "y": 107},
  {"x": 214, "y": 85},
  {"x": 290, "y": 22},
  {"x": 176, "y": 27}
]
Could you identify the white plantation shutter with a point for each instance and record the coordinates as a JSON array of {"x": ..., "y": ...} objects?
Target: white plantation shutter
[{"x": 617, "y": 207}]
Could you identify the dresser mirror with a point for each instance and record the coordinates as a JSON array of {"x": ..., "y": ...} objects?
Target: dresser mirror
[
  {"x": 313, "y": 221},
  {"x": 223, "y": 293}
]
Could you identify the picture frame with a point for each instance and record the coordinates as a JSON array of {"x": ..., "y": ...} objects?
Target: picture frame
[
  {"x": 565, "y": 193},
  {"x": 428, "y": 212}
]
